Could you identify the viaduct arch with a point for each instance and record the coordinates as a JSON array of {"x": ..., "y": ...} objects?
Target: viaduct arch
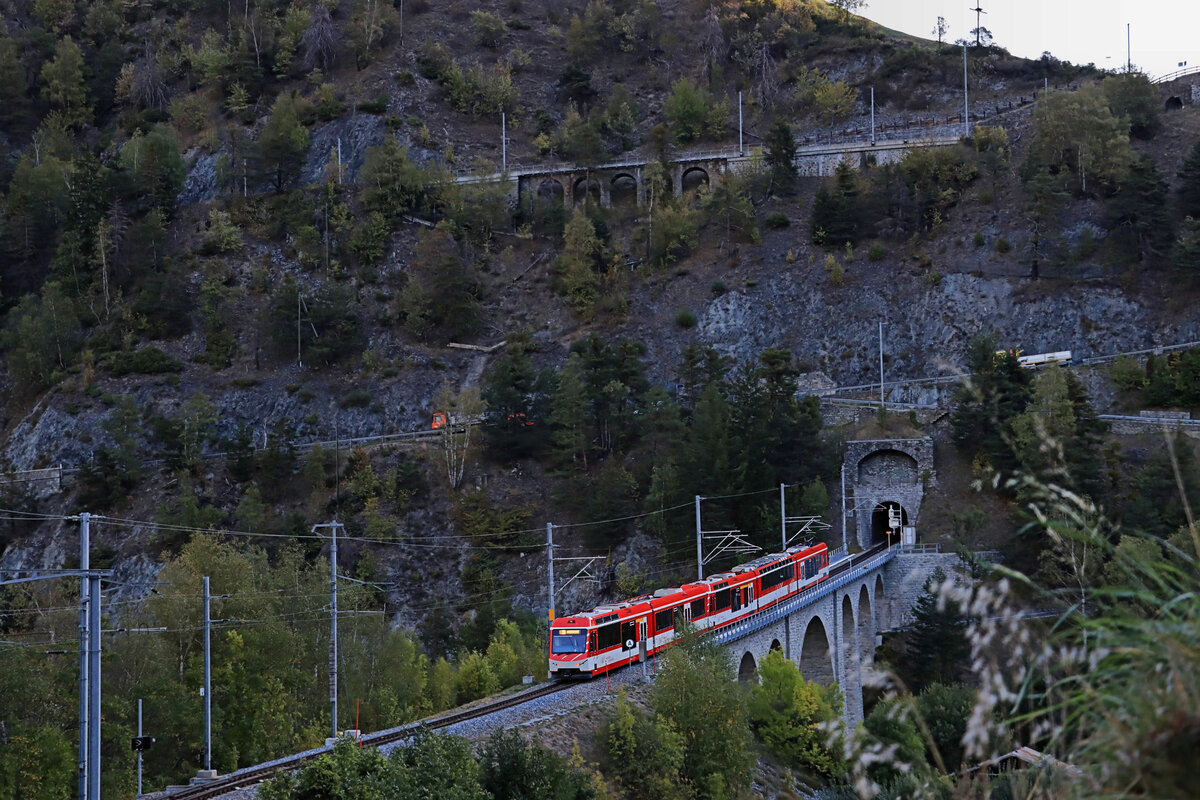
[{"x": 833, "y": 636}]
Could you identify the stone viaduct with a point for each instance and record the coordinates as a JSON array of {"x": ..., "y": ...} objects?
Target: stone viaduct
[
  {"x": 831, "y": 631},
  {"x": 624, "y": 183}
]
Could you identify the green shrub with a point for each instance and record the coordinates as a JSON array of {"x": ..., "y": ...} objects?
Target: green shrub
[
  {"x": 376, "y": 105},
  {"x": 876, "y": 252},
  {"x": 718, "y": 288},
  {"x": 487, "y": 28},
  {"x": 776, "y": 220},
  {"x": 1003, "y": 246},
  {"x": 356, "y": 398},
  {"x": 979, "y": 239},
  {"x": 1127, "y": 373},
  {"x": 685, "y": 319},
  {"x": 147, "y": 361},
  {"x": 190, "y": 112}
]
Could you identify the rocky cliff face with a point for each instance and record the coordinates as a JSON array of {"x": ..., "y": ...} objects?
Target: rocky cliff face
[{"x": 926, "y": 327}]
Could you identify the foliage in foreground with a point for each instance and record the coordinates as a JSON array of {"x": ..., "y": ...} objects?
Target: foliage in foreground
[{"x": 436, "y": 765}]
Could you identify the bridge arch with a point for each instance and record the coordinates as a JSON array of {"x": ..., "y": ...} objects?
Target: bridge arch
[
  {"x": 748, "y": 669},
  {"x": 693, "y": 178},
  {"x": 587, "y": 190},
  {"x": 623, "y": 188},
  {"x": 848, "y": 646},
  {"x": 550, "y": 191},
  {"x": 816, "y": 656},
  {"x": 866, "y": 627}
]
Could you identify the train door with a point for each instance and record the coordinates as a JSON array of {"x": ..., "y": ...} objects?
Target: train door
[
  {"x": 629, "y": 637},
  {"x": 737, "y": 599},
  {"x": 641, "y": 628}
]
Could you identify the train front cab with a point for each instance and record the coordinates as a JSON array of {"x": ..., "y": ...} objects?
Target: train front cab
[
  {"x": 569, "y": 647},
  {"x": 591, "y": 644}
]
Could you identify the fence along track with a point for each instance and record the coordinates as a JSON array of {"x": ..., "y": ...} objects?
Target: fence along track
[{"x": 251, "y": 776}]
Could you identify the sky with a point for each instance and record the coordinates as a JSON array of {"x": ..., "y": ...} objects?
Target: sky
[{"x": 1162, "y": 32}]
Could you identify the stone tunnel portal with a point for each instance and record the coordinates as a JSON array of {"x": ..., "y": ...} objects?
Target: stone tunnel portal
[{"x": 880, "y": 521}]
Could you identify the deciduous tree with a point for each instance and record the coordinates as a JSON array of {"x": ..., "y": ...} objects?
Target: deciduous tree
[{"x": 788, "y": 712}]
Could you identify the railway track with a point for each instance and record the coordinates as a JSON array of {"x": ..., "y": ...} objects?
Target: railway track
[{"x": 251, "y": 776}]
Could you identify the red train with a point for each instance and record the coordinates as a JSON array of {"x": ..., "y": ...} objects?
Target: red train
[{"x": 613, "y": 635}]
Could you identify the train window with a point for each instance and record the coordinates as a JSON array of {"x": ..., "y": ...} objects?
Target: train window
[
  {"x": 569, "y": 640},
  {"x": 810, "y": 567},
  {"x": 664, "y": 620},
  {"x": 610, "y": 636},
  {"x": 721, "y": 600},
  {"x": 677, "y": 620},
  {"x": 776, "y": 576},
  {"x": 698, "y": 608}
]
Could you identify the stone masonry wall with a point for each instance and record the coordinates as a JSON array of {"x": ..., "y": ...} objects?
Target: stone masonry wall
[{"x": 905, "y": 577}]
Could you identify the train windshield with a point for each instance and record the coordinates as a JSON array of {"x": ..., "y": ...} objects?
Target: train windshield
[{"x": 569, "y": 640}]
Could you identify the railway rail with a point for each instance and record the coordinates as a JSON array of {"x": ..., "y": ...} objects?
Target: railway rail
[{"x": 251, "y": 776}]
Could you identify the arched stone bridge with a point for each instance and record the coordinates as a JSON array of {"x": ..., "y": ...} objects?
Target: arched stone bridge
[
  {"x": 831, "y": 631},
  {"x": 623, "y": 182}
]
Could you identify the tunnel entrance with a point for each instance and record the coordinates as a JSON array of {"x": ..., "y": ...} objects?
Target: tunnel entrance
[{"x": 881, "y": 519}]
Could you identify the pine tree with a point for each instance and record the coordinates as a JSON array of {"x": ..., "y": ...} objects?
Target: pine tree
[
  {"x": 1189, "y": 186},
  {"x": 781, "y": 156},
  {"x": 569, "y": 418},
  {"x": 1138, "y": 210},
  {"x": 63, "y": 85},
  {"x": 938, "y": 647},
  {"x": 284, "y": 142},
  {"x": 13, "y": 100}
]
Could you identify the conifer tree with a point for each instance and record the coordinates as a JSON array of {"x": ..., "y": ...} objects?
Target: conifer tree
[
  {"x": 1189, "y": 186},
  {"x": 63, "y": 85}
]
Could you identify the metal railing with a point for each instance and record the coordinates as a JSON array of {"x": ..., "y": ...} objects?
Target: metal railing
[
  {"x": 1179, "y": 73},
  {"x": 919, "y": 548},
  {"x": 1157, "y": 421},
  {"x": 760, "y": 619}
]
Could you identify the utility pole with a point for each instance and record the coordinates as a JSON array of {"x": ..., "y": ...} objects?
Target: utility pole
[
  {"x": 845, "y": 549},
  {"x": 139, "y": 752},
  {"x": 550, "y": 573},
  {"x": 85, "y": 520},
  {"x": 741, "y": 149},
  {"x": 207, "y": 680},
  {"x": 783, "y": 514},
  {"x": 872, "y": 116},
  {"x": 1128, "y": 49},
  {"x": 333, "y": 638},
  {"x": 299, "y": 361},
  {"x": 978, "y": 25},
  {"x": 503, "y": 144},
  {"x": 90, "y": 646},
  {"x": 699, "y": 547},
  {"x": 966, "y": 107},
  {"x": 93, "y": 768},
  {"x": 333, "y": 625},
  {"x": 881, "y": 402}
]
